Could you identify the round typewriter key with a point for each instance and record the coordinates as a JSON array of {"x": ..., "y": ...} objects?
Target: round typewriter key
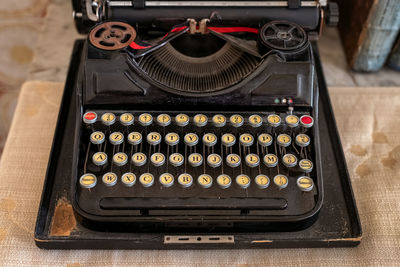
[
  {"x": 306, "y": 165},
  {"x": 146, "y": 179},
  {"x": 185, "y": 180},
  {"x": 182, "y": 120},
  {"x": 120, "y": 159},
  {"x": 90, "y": 117},
  {"x": 195, "y": 159},
  {"x": 233, "y": 160},
  {"x": 176, "y": 159},
  {"x": 255, "y": 121},
  {"x": 224, "y": 181},
  {"x": 228, "y": 140},
  {"x": 154, "y": 138},
  {"x": 306, "y": 121},
  {"x": 110, "y": 179},
  {"x": 289, "y": 160},
  {"x": 292, "y": 121},
  {"x": 243, "y": 181},
  {"x": 108, "y": 119},
  {"x": 246, "y": 139},
  {"x": 265, "y": 139},
  {"x": 262, "y": 181},
  {"x": 166, "y": 179},
  {"x": 172, "y": 139},
  {"x": 88, "y": 181},
  {"x": 252, "y": 160},
  {"x": 116, "y": 138},
  {"x": 128, "y": 179},
  {"x": 158, "y": 159},
  {"x": 281, "y": 181},
  {"x": 135, "y": 138},
  {"x": 236, "y": 120},
  {"x": 209, "y": 139},
  {"x": 274, "y": 120},
  {"x": 284, "y": 140},
  {"x": 205, "y": 180},
  {"x": 163, "y": 120},
  {"x": 139, "y": 159},
  {"x": 302, "y": 140},
  {"x": 191, "y": 139},
  {"x": 97, "y": 138},
  {"x": 99, "y": 158},
  {"x": 305, "y": 183},
  {"x": 214, "y": 160},
  {"x": 219, "y": 120},
  {"x": 145, "y": 119},
  {"x": 270, "y": 160},
  {"x": 200, "y": 120},
  {"x": 126, "y": 119}
]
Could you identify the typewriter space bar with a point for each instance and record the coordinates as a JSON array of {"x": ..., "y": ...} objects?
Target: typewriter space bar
[{"x": 133, "y": 203}]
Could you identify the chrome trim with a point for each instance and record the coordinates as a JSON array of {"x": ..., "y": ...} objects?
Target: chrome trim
[{"x": 217, "y": 3}]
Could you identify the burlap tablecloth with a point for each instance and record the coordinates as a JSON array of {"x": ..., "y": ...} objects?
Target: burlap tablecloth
[{"x": 369, "y": 124}]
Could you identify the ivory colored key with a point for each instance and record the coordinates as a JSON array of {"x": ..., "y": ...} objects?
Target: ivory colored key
[
  {"x": 246, "y": 139},
  {"x": 274, "y": 120},
  {"x": 270, "y": 160},
  {"x": 281, "y": 181},
  {"x": 154, "y": 138},
  {"x": 289, "y": 160},
  {"x": 176, "y": 159},
  {"x": 163, "y": 120},
  {"x": 233, "y": 160},
  {"x": 128, "y": 179},
  {"x": 139, "y": 159},
  {"x": 292, "y": 121},
  {"x": 185, "y": 180},
  {"x": 305, "y": 183},
  {"x": 224, "y": 181},
  {"x": 252, "y": 160},
  {"x": 205, "y": 181},
  {"x": 172, "y": 139},
  {"x": 306, "y": 121},
  {"x": 145, "y": 119},
  {"x": 90, "y": 117},
  {"x": 146, "y": 179},
  {"x": 243, "y": 181},
  {"x": 255, "y": 120},
  {"x": 284, "y": 140},
  {"x": 134, "y": 138},
  {"x": 166, "y": 179},
  {"x": 99, "y": 158},
  {"x": 88, "y": 180},
  {"x": 219, "y": 120},
  {"x": 228, "y": 140},
  {"x": 236, "y": 120},
  {"x": 262, "y": 181},
  {"x": 264, "y": 139},
  {"x": 120, "y": 159},
  {"x": 191, "y": 139},
  {"x": 209, "y": 139},
  {"x": 195, "y": 159},
  {"x": 214, "y": 160},
  {"x": 116, "y": 138},
  {"x": 306, "y": 165},
  {"x": 157, "y": 159},
  {"x": 302, "y": 140},
  {"x": 182, "y": 120},
  {"x": 200, "y": 120},
  {"x": 126, "y": 119},
  {"x": 97, "y": 138},
  {"x": 108, "y": 118},
  {"x": 110, "y": 179}
]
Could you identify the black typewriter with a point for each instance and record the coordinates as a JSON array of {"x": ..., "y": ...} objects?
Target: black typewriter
[{"x": 196, "y": 117}]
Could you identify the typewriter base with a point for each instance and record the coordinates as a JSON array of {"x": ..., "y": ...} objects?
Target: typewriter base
[{"x": 338, "y": 223}]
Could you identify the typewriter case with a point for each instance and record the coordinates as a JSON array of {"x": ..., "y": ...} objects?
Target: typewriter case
[{"x": 113, "y": 80}]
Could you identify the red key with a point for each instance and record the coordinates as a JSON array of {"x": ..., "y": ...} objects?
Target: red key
[
  {"x": 306, "y": 121},
  {"x": 90, "y": 117}
]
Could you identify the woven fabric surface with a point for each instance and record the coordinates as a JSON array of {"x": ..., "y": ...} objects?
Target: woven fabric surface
[{"x": 369, "y": 124}]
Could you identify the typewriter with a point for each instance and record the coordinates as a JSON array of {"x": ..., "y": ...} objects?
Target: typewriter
[{"x": 196, "y": 117}]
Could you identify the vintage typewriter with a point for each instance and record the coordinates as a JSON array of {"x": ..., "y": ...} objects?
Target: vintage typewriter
[{"x": 197, "y": 117}]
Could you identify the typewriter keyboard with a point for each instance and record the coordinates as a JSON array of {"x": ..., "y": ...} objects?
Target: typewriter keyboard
[{"x": 154, "y": 163}]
